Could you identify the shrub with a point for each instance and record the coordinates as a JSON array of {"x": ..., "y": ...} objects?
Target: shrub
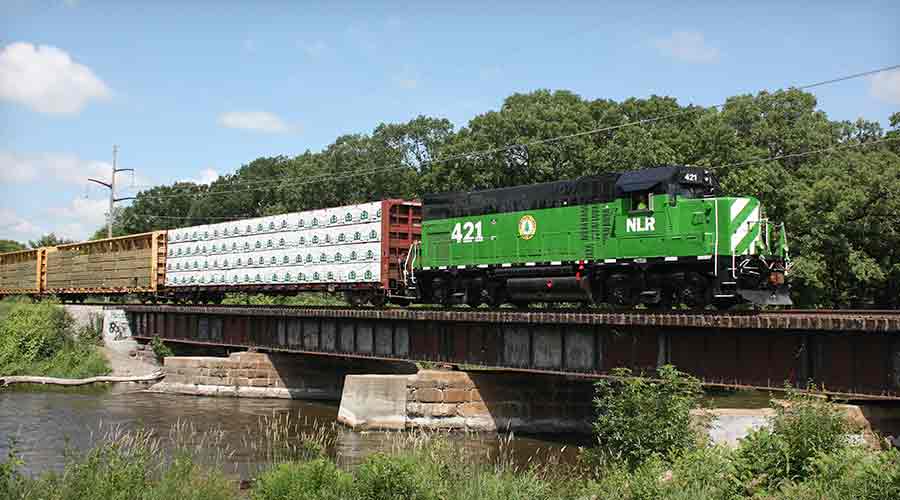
[
  {"x": 852, "y": 472},
  {"x": 803, "y": 428},
  {"x": 382, "y": 477},
  {"x": 318, "y": 479},
  {"x": 33, "y": 332},
  {"x": 702, "y": 472},
  {"x": 638, "y": 417},
  {"x": 37, "y": 339},
  {"x": 92, "y": 332},
  {"x": 160, "y": 349},
  {"x": 10, "y": 479}
]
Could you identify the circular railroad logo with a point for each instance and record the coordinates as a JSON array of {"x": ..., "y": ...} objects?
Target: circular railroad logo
[{"x": 527, "y": 227}]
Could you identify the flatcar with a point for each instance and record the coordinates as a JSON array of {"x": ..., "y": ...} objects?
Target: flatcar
[
  {"x": 659, "y": 237},
  {"x": 357, "y": 250}
]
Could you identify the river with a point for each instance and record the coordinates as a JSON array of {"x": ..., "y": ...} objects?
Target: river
[{"x": 44, "y": 424}]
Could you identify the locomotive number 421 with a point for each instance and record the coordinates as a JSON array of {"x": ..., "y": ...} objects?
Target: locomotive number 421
[{"x": 467, "y": 232}]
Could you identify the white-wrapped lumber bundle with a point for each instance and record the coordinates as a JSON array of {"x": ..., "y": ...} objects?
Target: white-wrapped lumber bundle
[{"x": 329, "y": 246}]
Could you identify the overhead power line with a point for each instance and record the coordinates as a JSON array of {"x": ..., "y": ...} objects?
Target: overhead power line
[
  {"x": 728, "y": 165},
  {"x": 474, "y": 154},
  {"x": 807, "y": 153}
]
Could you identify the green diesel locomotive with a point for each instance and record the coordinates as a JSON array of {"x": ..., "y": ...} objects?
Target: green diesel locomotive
[{"x": 660, "y": 236}]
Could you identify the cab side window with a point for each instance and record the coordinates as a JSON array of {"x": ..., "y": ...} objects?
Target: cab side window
[{"x": 641, "y": 201}]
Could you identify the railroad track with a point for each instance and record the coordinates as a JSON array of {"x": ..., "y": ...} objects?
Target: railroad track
[{"x": 556, "y": 310}]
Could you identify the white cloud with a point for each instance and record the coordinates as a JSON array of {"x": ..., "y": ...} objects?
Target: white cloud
[
  {"x": 76, "y": 221},
  {"x": 58, "y": 168},
  {"x": 50, "y": 167},
  {"x": 15, "y": 227},
  {"x": 206, "y": 176},
  {"x": 81, "y": 213},
  {"x": 315, "y": 49},
  {"x": 886, "y": 86},
  {"x": 688, "y": 46},
  {"x": 261, "y": 121},
  {"x": 46, "y": 79}
]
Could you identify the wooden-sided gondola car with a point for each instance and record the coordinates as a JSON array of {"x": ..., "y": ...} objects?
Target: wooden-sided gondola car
[{"x": 133, "y": 264}]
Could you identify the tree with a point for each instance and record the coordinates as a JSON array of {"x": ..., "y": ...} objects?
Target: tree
[
  {"x": 49, "y": 240},
  {"x": 837, "y": 205},
  {"x": 10, "y": 246},
  {"x": 162, "y": 207}
]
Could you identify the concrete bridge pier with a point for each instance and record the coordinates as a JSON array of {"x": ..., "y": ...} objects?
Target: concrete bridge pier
[{"x": 468, "y": 401}]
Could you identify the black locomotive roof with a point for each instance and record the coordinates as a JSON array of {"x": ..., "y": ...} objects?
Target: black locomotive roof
[
  {"x": 602, "y": 188},
  {"x": 594, "y": 189},
  {"x": 660, "y": 179}
]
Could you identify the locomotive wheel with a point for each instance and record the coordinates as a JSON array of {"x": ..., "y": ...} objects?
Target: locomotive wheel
[
  {"x": 693, "y": 291},
  {"x": 377, "y": 299},
  {"x": 619, "y": 292},
  {"x": 495, "y": 297},
  {"x": 473, "y": 298}
]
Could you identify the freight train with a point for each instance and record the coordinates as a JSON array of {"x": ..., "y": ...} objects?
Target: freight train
[{"x": 659, "y": 237}]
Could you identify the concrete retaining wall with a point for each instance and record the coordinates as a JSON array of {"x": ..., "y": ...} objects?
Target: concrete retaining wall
[
  {"x": 249, "y": 374},
  {"x": 259, "y": 375}
]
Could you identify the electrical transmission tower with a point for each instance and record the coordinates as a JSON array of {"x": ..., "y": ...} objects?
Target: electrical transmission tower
[{"x": 111, "y": 185}]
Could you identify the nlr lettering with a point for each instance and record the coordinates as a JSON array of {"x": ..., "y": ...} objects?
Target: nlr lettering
[{"x": 638, "y": 224}]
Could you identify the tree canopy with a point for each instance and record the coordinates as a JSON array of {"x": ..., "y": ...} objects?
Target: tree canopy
[
  {"x": 10, "y": 246},
  {"x": 49, "y": 240}
]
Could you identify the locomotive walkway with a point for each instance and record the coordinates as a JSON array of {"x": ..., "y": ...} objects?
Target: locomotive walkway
[{"x": 854, "y": 354}]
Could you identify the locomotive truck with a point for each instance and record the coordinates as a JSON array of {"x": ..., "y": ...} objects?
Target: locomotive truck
[{"x": 659, "y": 236}]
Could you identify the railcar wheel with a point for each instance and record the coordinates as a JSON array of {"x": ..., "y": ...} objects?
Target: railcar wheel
[{"x": 355, "y": 299}]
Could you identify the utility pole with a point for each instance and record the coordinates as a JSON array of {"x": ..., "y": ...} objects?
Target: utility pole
[{"x": 111, "y": 185}]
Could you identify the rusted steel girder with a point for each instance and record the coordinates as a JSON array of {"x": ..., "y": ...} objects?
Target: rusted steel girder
[
  {"x": 857, "y": 321},
  {"x": 741, "y": 350}
]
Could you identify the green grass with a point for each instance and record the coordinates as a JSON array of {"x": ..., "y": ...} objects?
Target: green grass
[{"x": 42, "y": 340}]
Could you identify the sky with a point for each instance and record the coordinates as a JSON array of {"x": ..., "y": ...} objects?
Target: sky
[{"x": 190, "y": 90}]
